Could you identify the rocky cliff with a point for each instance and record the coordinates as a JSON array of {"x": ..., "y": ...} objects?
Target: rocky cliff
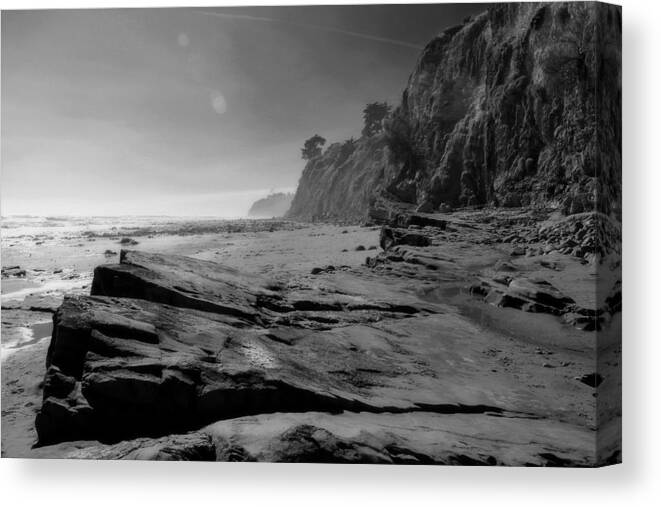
[
  {"x": 518, "y": 106},
  {"x": 273, "y": 205}
]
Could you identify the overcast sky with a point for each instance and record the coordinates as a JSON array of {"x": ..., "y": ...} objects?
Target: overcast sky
[{"x": 190, "y": 111}]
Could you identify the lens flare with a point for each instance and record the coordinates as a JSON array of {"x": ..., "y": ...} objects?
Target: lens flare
[
  {"x": 218, "y": 102},
  {"x": 183, "y": 40}
]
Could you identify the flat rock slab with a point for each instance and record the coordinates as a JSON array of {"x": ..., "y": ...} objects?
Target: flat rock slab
[
  {"x": 169, "y": 344},
  {"x": 121, "y": 368},
  {"x": 188, "y": 447},
  {"x": 179, "y": 447},
  {"x": 421, "y": 438},
  {"x": 184, "y": 282}
]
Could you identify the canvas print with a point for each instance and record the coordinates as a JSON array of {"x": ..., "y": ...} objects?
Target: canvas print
[{"x": 385, "y": 234}]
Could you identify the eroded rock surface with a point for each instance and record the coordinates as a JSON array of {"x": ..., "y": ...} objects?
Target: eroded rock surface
[
  {"x": 170, "y": 344},
  {"x": 420, "y": 439},
  {"x": 188, "y": 447}
]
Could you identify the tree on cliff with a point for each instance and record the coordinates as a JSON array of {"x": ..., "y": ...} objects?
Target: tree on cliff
[
  {"x": 373, "y": 115},
  {"x": 312, "y": 147}
]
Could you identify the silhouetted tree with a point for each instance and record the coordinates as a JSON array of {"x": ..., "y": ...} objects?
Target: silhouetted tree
[
  {"x": 373, "y": 116},
  {"x": 312, "y": 147}
]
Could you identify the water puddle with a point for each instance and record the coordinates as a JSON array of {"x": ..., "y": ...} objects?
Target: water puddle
[
  {"x": 22, "y": 337},
  {"x": 9, "y": 286},
  {"x": 41, "y": 330},
  {"x": 29, "y": 288},
  {"x": 509, "y": 322}
]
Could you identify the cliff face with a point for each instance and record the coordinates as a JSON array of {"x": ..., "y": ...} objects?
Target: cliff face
[
  {"x": 520, "y": 105},
  {"x": 273, "y": 205},
  {"x": 343, "y": 182}
]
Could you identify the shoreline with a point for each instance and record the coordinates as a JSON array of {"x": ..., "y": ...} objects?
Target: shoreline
[{"x": 541, "y": 353}]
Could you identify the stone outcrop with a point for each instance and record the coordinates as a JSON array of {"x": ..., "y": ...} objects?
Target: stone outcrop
[
  {"x": 178, "y": 358},
  {"x": 518, "y": 106},
  {"x": 390, "y": 237},
  {"x": 455, "y": 439},
  {"x": 271, "y": 206},
  {"x": 168, "y": 343},
  {"x": 188, "y": 447}
]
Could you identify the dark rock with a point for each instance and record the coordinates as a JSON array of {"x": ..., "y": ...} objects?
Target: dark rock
[
  {"x": 13, "y": 271},
  {"x": 539, "y": 291},
  {"x": 584, "y": 322},
  {"x": 390, "y": 237},
  {"x": 530, "y": 295},
  {"x": 479, "y": 289},
  {"x": 422, "y": 221},
  {"x": 591, "y": 379},
  {"x": 614, "y": 300},
  {"x": 360, "y": 248},
  {"x": 327, "y": 269}
]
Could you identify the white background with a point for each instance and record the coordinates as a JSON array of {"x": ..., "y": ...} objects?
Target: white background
[{"x": 636, "y": 482}]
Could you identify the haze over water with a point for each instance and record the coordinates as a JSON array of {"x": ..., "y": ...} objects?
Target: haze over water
[{"x": 189, "y": 111}]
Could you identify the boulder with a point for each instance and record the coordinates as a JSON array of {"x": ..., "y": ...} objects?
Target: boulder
[
  {"x": 591, "y": 379},
  {"x": 540, "y": 292},
  {"x": 390, "y": 237},
  {"x": 13, "y": 271},
  {"x": 530, "y": 295}
]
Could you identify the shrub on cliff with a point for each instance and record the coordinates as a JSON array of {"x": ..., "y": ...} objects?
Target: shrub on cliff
[{"x": 312, "y": 147}]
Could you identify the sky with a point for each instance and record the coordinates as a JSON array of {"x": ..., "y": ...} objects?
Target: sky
[{"x": 190, "y": 111}]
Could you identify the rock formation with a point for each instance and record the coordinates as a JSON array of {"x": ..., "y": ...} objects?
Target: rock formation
[
  {"x": 520, "y": 105},
  {"x": 172, "y": 357},
  {"x": 273, "y": 205}
]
